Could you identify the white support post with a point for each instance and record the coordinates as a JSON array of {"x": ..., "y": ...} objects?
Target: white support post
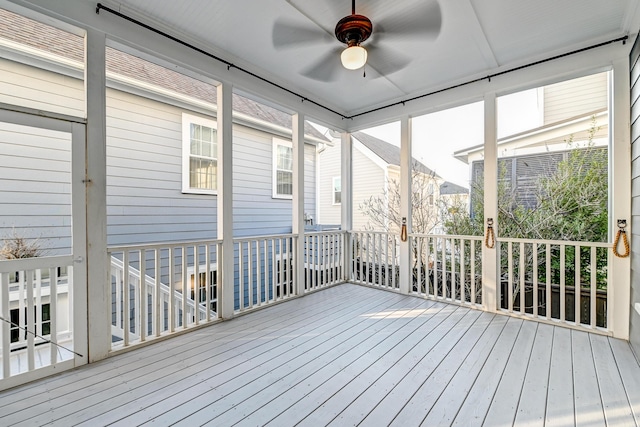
[
  {"x": 297, "y": 139},
  {"x": 490, "y": 256},
  {"x": 406, "y": 273},
  {"x": 620, "y": 192},
  {"x": 98, "y": 289},
  {"x": 346, "y": 206},
  {"x": 225, "y": 199}
]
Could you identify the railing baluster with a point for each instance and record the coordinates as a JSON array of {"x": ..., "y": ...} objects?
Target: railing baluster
[
  {"x": 207, "y": 281},
  {"x": 258, "y": 274},
  {"x": 53, "y": 314},
  {"x": 593, "y": 288},
  {"x": 548, "y": 280},
  {"x": 577, "y": 293},
  {"x": 463, "y": 297},
  {"x": 185, "y": 285},
  {"x": 562, "y": 283},
  {"x": 157, "y": 302},
  {"x": 125, "y": 297},
  {"x": 510, "y": 275},
  {"x": 142, "y": 296},
  {"x": 522, "y": 274},
  {"x": 472, "y": 261},
  {"x": 534, "y": 249},
  {"x": 6, "y": 331},
  {"x": 250, "y": 278}
]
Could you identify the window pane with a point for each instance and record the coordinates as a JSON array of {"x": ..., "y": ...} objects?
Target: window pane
[
  {"x": 285, "y": 182},
  {"x": 203, "y": 173},
  {"x": 285, "y": 157}
]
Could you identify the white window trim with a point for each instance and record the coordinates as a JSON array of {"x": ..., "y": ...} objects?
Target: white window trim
[
  {"x": 274, "y": 176},
  {"x": 333, "y": 191},
  {"x": 187, "y": 119}
]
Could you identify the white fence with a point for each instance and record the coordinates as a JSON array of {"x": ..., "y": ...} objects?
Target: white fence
[
  {"x": 36, "y": 330},
  {"x": 179, "y": 290}
]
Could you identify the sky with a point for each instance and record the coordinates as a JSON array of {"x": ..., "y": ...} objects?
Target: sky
[{"x": 436, "y": 136}]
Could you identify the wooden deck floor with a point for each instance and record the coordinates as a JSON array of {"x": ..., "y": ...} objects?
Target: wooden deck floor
[{"x": 350, "y": 355}]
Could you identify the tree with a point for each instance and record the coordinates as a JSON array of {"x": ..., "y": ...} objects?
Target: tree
[{"x": 383, "y": 210}]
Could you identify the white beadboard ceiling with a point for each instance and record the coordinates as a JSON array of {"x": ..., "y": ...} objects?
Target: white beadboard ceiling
[{"x": 476, "y": 37}]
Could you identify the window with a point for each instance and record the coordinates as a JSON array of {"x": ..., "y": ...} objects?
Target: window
[
  {"x": 337, "y": 190},
  {"x": 199, "y": 155},
  {"x": 17, "y": 328},
  {"x": 282, "y": 169}
]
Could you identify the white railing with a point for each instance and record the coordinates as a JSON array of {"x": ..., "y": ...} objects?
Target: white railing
[
  {"x": 375, "y": 258},
  {"x": 323, "y": 259},
  {"x": 265, "y": 268},
  {"x": 156, "y": 306},
  {"x": 36, "y": 329},
  {"x": 447, "y": 267},
  {"x": 561, "y": 281}
]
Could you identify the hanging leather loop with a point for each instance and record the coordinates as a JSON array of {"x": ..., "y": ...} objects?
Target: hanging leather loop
[
  {"x": 403, "y": 232},
  {"x": 490, "y": 237},
  {"x": 621, "y": 234}
]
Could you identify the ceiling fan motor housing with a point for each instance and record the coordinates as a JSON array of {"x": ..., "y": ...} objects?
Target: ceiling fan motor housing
[{"x": 353, "y": 29}]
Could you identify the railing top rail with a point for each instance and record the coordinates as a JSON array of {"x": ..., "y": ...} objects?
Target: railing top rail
[
  {"x": 13, "y": 265},
  {"x": 324, "y": 232},
  {"x": 448, "y": 236},
  {"x": 392, "y": 233},
  {"x": 265, "y": 237},
  {"x": 162, "y": 245},
  {"x": 554, "y": 242}
]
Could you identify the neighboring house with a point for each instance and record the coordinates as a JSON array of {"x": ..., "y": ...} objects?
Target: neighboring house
[
  {"x": 572, "y": 114},
  {"x": 376, "y": 169},
  {"x": 161, "y": 148}
]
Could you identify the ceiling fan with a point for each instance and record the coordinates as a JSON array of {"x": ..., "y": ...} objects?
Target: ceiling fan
[{"x": 353, "y": 31}]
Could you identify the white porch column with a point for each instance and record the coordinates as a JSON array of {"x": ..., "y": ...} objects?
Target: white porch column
[
  {"x": 346, "y": 203},
  {"x": 620, "y": 193},
  {"x": 225, "y": 197},
  {"x": 297, "y": 139},
  {"x": 490, "y": 256},
  {"x": 98, "y": 289},
  {"x": 406, "y": 273}
]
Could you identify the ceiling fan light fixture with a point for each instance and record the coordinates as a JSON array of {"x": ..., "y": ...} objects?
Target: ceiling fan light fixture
[{"x": 354, "y": 57}]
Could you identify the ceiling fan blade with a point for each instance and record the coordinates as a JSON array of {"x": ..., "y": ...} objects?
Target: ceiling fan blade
[
  {"x": 325, "y": 69},
  {"x": 286, "y": 34},
  {"x": 425, "y": 22},
  {"x": 385, "y": 60}
]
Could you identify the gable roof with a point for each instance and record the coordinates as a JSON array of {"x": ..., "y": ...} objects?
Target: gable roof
[
  {"x": 389, "y": 153},
  {"x": 57, "y": 42},
  {"x": 451, "y": 188}
]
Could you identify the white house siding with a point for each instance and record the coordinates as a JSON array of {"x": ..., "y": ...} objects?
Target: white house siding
[
  {"x": 35, "y": 186},
  {"x": 310, "y": 161},
  {"x": 635, "y": 194},
  {"x": 575, "y": 97},
  {"x": 369, "y": 179},
  {"x": 329, "y": 164},
  {"x": 255, "y": 210},
  {"x": 31, "y": 87},
  {"x": 145, "y": 202},
  {"x": 144, "y": 176}
]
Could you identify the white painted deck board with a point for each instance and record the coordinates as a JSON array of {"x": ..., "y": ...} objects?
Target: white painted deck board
[
  {"x": 560, "y": 406},
  {"x": 349, "y": 355}
]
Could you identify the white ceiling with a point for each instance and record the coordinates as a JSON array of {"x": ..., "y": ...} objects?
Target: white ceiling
[{"x": 476, "y": 38}]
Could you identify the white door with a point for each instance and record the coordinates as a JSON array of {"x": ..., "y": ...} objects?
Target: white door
[{"x": 43, "y": 289}]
